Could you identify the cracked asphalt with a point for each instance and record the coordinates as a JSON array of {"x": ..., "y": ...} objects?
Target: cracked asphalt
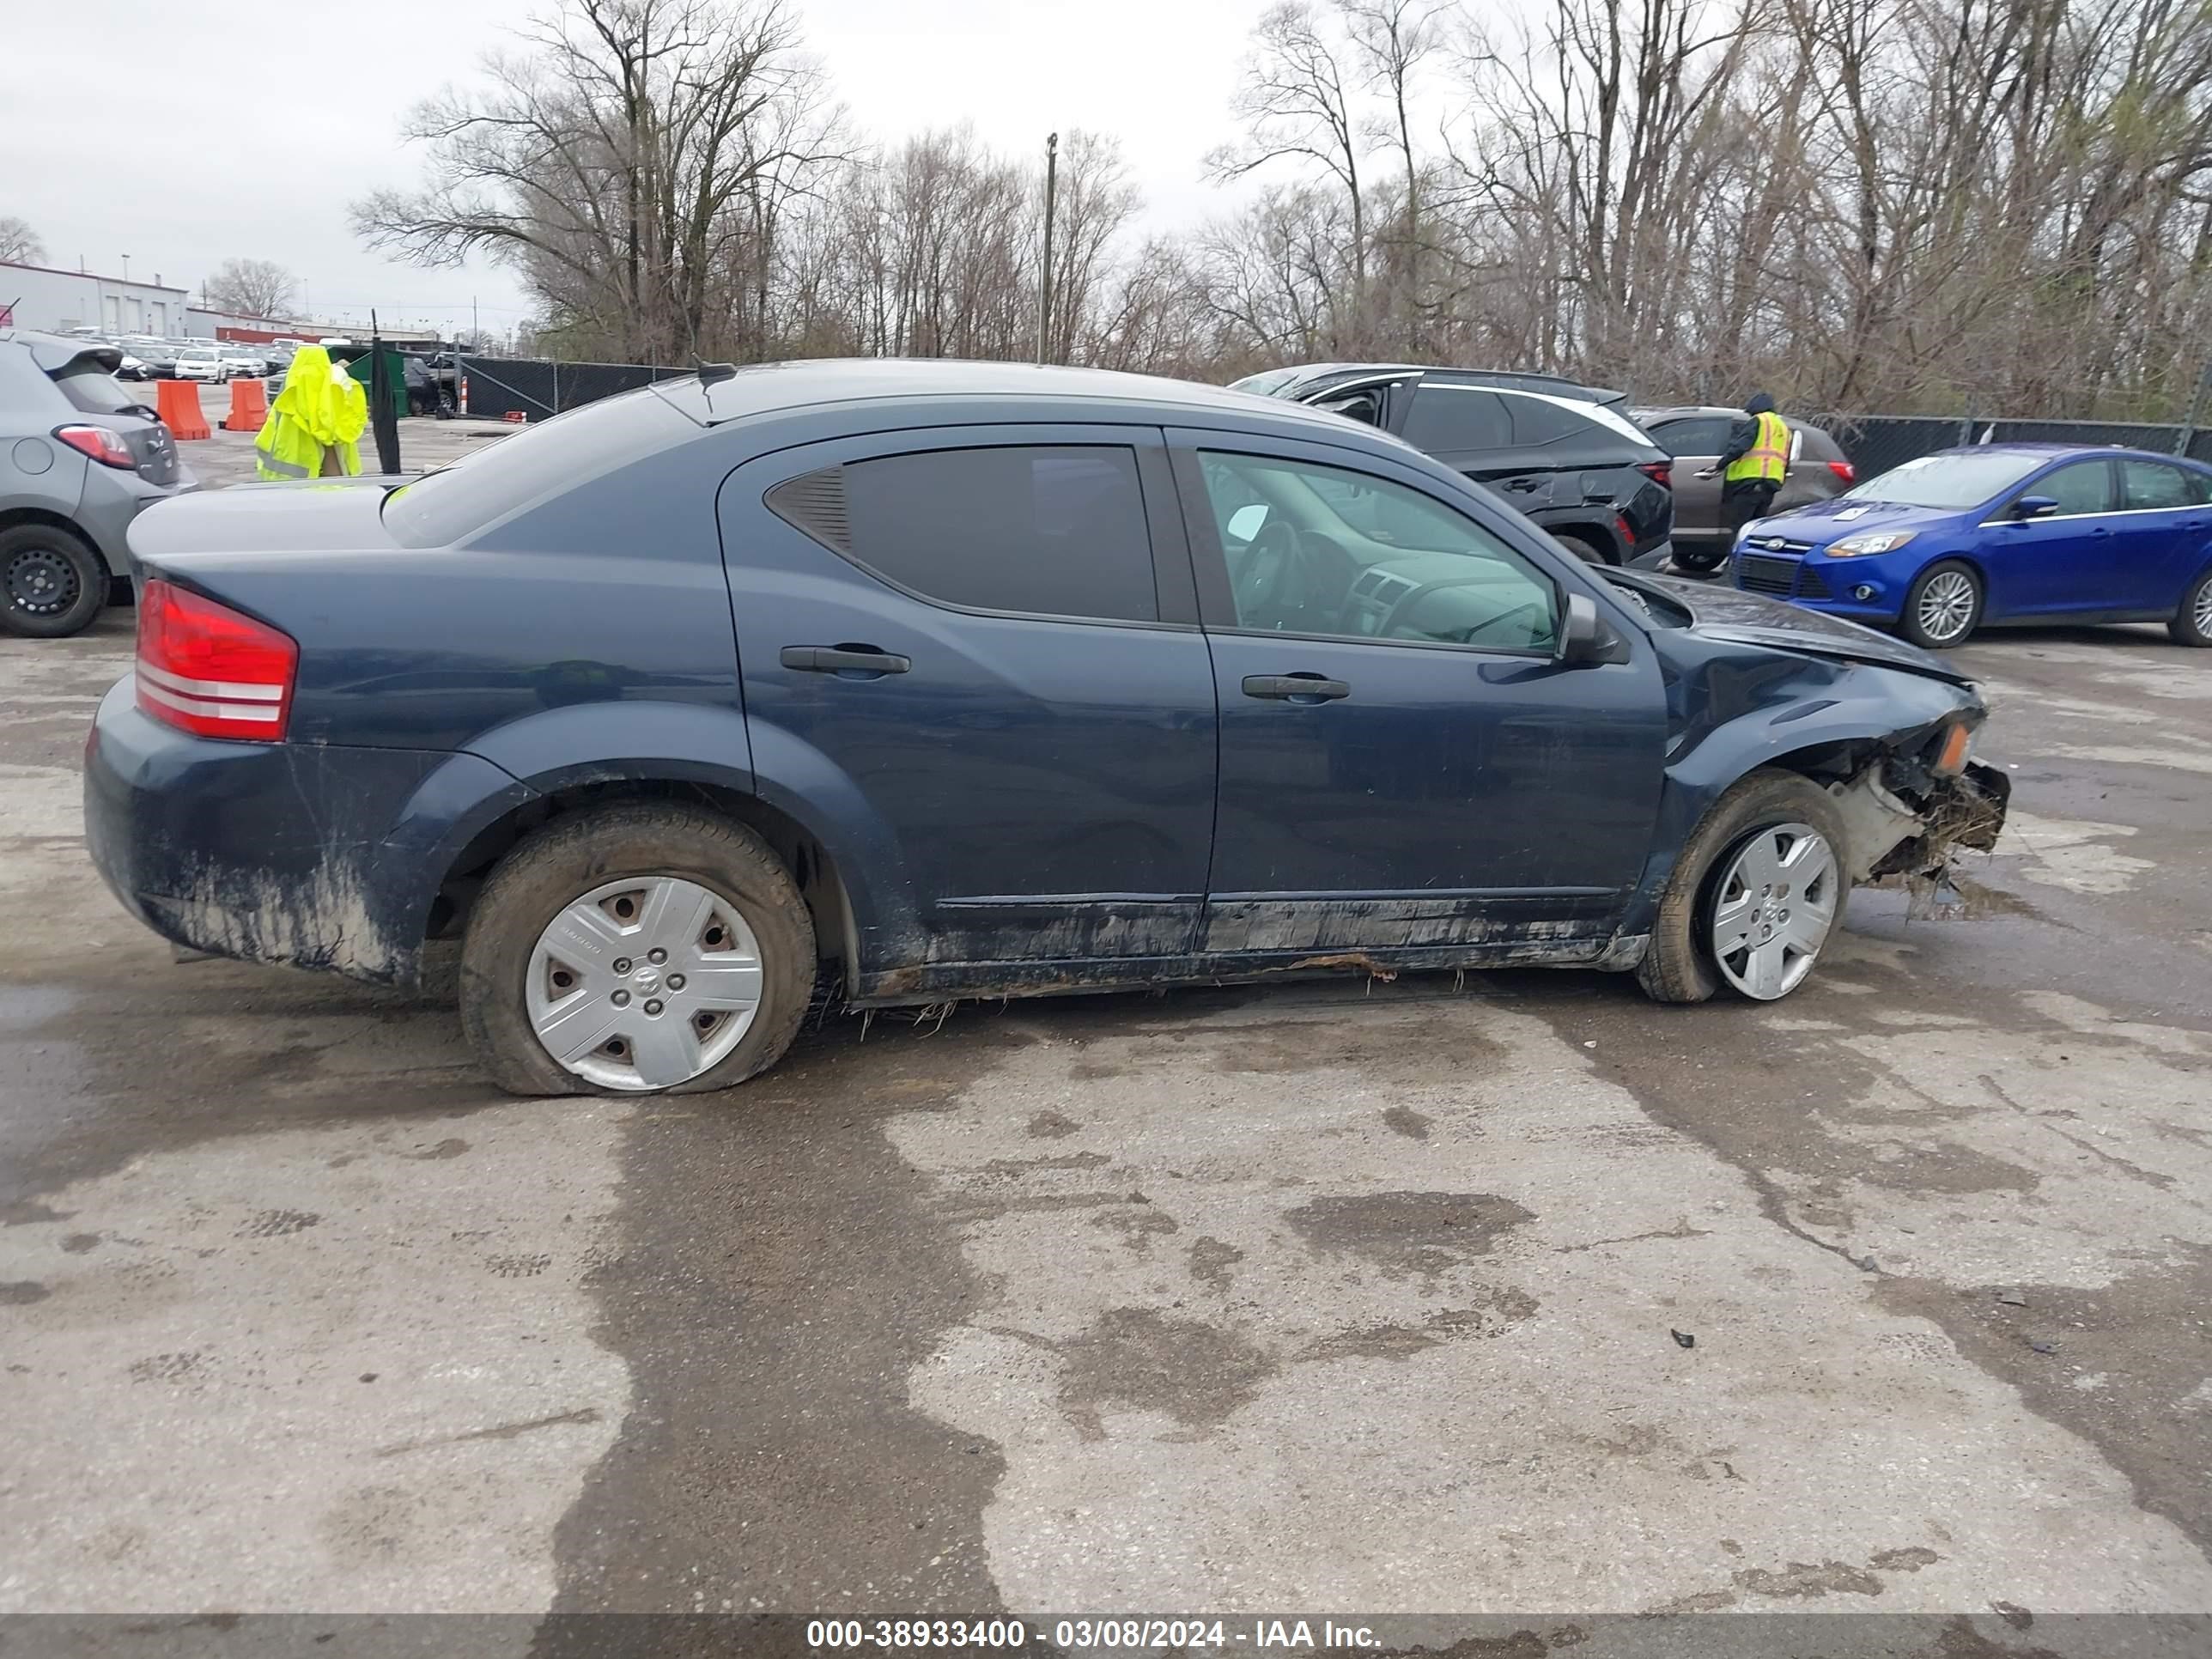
[{"x": 1372, "y": 1296}]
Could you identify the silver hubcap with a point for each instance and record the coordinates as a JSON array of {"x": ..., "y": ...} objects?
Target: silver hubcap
[
  {"x": 1776, "y": 902},
  {"x": 1947, "y": 605},
  {"x": 2202, "y": 609},
  {"x": 644, "y": 983}
]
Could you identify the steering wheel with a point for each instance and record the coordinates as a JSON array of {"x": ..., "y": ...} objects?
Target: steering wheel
[{"x": 1258, "y": 582}]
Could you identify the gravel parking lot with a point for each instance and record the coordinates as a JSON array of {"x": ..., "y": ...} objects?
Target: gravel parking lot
[{"x": 1341, "y": 1293}]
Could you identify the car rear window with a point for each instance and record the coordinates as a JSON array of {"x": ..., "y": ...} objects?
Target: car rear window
[
  {"x": 1055, "y": 531},
  {"x": 1697, "y": 435},
  {"x": 507, "y": 474},
  {"x": 95, "y": 391}
]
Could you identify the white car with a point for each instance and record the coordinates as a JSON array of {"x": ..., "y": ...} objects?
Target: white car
[
  {"x": 244, "y": 361},
  {"x": 202, "y": 363}
]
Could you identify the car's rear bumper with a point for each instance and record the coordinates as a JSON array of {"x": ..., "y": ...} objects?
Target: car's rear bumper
[{"x": 302, "y": 854}]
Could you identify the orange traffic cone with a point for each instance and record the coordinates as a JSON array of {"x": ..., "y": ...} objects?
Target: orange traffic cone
[
  {"x": 178, "y": 402},
  {"x": 249, "y": 406}
]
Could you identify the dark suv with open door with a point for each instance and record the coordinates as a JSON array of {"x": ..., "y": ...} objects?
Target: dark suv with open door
[{"x": 1566, "y": 455}]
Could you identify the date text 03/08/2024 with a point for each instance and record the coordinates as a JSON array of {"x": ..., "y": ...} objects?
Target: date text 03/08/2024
[{"x": 1080, "y": 1636}]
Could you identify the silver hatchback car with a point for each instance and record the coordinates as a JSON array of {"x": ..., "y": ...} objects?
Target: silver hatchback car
[{"x": 80, "y": 457}]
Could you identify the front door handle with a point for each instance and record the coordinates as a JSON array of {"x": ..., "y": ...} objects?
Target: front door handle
[
  {"x": 1524, "y": 484},
  {"x": 1295, "y": 687},
  {"x": 844, "y": 659}
]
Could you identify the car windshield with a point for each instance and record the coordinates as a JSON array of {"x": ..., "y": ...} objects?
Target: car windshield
[{"x": 1948, "y": 481}]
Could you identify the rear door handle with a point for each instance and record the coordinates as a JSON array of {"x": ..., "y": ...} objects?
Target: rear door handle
[
  {"x": 1295, "y": 687},
  {"x": 844, "y": 659},
  {"x": 1524, "y": 484}
]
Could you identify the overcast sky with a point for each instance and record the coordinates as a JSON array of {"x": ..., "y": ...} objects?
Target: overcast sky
[{"x": 182, "y": 135}]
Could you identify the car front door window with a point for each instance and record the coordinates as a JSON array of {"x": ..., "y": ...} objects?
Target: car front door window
[
  {"x": 2080, "y": 488},
  {"x": 1344, "y": 554}
]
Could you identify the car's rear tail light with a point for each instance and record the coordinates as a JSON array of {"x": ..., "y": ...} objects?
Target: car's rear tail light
[
  {"x": 1660, "y": 472},
  {"x": 205, "y": 669},
  {"x": 1844, "y": 471},
  {"x": 103, "y": 446}
]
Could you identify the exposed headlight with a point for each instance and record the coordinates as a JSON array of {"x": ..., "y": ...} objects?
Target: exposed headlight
[{"x": 1872, "y": 542}]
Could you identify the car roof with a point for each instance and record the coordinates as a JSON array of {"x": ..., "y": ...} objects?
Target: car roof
[
  {"x": 2049, "y": 451},
  {"x": 765, "y": 389},
  {"x": 1308, "y": 379}
]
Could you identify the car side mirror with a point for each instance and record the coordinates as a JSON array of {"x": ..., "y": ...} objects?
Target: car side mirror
[
  {"x": 2035, "y": 506},
  {"x": 1585, "y": 641}
]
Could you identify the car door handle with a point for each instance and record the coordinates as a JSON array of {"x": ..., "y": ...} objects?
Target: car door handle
[
  {"x": 1295, "y": 687},
  {"x": 844, "y": 659},
  {"x": 1524, "y": 484}
]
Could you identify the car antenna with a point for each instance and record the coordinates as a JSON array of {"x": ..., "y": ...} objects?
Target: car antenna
[{"x": 710, "y": 374}]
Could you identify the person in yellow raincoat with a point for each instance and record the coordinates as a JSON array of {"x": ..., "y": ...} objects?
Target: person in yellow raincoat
[{"x": 314, "y": 426}]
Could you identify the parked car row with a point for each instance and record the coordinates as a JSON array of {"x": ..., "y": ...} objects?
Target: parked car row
[{"x": 143, "y": 357}]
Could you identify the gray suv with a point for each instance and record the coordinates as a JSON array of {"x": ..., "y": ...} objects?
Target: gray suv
[{"x": 80, "y": 457}]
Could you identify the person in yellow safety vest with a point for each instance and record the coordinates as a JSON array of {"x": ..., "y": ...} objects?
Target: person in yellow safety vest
[
  {"x": 314, "y": 426},
  {"x": 1754, "y": 464}
]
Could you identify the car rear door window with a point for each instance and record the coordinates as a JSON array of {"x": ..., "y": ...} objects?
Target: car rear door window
[
  {"x": 1447, "y": 418},
  {"x": 2148, "y": 486},
  {"x": 1054, "y": 531},
  {"x": 2079, "y": 487},
  {"x": 1538, "y": 420}
]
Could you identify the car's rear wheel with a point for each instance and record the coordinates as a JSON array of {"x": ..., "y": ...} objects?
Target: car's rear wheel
[
  {"x": 51, "y": 582},
  {"x": 2192, "y": 621},
  {"x": 641, "y": 948},
  {"x": 1943, "y": 606},
  {"x": 1757, "y": 893}
]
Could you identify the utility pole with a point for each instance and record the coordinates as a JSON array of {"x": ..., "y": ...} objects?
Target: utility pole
[{"x": 1044, "y": 288}]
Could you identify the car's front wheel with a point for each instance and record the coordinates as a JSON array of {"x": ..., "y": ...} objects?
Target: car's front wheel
[
  {"x": 51, "y": 583},
  {"x": 1756, "y": 893},
  {"x": 639, "y": 948},
  {"x": 2192, "y": 620},
  {"x": 1943, "y": 606}
]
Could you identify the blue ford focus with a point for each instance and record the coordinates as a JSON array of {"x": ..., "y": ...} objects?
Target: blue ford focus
[{"x": 2001, "y": 533}]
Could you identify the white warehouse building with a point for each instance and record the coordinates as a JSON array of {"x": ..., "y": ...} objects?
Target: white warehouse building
[{"x": 39, "y": 296}]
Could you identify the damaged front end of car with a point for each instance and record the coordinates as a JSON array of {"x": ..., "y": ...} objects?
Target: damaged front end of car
[{"x": 1908, "y": 817}]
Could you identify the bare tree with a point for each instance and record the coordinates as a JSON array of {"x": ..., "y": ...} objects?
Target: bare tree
[
  {"x": 1295, "y": 101},
  {"x": 251, "y": 288},
  {"x": 18, "y": 243},
  {"x": 614, "y": 162}
]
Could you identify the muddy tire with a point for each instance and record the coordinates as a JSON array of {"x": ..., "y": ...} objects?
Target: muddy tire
[
  {"x": 1680, "y": 964},
  {"x": 2192, "y": 620},
  {"x": 53, "y": 584},
  {"x": 631, "y": 937}
]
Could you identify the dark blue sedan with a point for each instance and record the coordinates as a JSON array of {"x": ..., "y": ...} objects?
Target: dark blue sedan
[
  {"x": 906, "y": 682},
  {"x": 2002, "y": 533}
]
